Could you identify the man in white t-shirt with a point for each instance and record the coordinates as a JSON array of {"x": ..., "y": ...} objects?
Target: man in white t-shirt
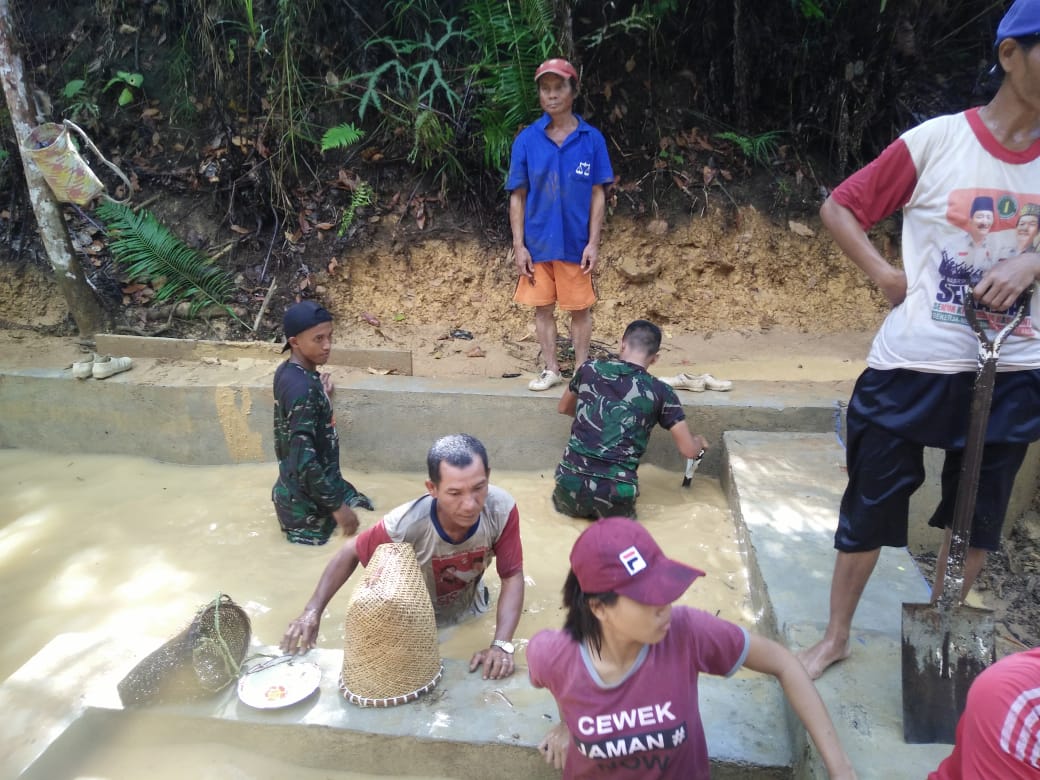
[
  {"x": 916, "y": 391},
  {"x": 457, "y": 529}
]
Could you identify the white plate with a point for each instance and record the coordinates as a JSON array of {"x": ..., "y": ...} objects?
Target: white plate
[{"x": 279, "y": 685}]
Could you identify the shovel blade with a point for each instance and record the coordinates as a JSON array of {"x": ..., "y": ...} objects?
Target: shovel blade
[{"x": 943, "y": 652}]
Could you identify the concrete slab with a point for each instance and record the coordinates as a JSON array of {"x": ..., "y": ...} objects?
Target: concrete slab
[
  {"x": 396, "y": 361},
  {"x": 465, "y": 728},
  {"x": 784, "y": 491}
]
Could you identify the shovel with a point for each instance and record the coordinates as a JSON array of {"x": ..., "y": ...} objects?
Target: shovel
[{"x": 946, "y": 645}]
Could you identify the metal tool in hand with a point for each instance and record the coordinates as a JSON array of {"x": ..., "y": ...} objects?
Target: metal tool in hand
[
  {"x": 947, "y": 644},
  {"x": 691, "y": 467}
]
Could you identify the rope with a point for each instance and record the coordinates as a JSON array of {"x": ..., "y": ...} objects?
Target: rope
[
  {"x": 90, "y": 144},
  {"x": 232, "y": 667}
]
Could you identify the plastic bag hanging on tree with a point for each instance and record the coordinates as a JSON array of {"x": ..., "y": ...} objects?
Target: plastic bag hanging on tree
[{"x": 69, "y": 176}]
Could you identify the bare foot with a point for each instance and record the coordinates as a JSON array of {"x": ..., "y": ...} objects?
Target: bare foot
[{"x": 818, "y": 658}]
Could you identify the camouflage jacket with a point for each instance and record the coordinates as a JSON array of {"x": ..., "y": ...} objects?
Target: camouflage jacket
[
  {"x": 306, "y": 442},
  {"x": 619, "y": 404}
]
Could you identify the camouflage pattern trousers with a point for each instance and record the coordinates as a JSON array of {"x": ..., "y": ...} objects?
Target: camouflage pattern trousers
[{"x": 580, "y": 495}]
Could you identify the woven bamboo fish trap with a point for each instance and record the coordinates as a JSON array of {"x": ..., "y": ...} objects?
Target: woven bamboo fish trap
[
  {"x": 201, "y": 660},
  {"x": 390, "y": 650}
]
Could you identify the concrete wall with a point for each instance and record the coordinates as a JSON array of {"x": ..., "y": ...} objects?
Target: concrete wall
[
  {"x": 214, "y": 414},
  {"x": 221, "y": 413}
]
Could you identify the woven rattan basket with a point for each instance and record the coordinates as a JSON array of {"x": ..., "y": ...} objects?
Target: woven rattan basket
[
  {"x": 390, "y": 650},
  {"x": 201, "y": 660}
]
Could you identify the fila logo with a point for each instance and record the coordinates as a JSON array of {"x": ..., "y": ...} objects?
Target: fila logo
[
  {"x": 584, "y": 169},
  {"x": 632, "y": 560}
]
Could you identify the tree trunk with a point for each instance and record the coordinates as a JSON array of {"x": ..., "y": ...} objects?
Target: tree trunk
[{"x": 83, "y": 305}]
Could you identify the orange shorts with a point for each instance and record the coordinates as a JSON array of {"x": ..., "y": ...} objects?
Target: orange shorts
[{"x": 557, "y": 282}]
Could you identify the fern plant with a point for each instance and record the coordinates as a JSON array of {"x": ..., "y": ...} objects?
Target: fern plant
[
  {"x": 341, "y": 136},
  {"x": 515, "y": 36},
  {"x": 150, "y": 252},
  {"x": 361, "y": 196},
  {"x": 761, "y": 149}
]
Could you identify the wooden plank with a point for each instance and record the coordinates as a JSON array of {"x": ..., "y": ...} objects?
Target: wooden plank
[{"x": 393, "y": 360}]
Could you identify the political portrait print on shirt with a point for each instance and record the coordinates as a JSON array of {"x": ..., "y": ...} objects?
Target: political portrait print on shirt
[{"x": 986, "y": 227}]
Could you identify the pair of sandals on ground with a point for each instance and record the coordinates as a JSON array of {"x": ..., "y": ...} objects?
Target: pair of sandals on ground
[{"x": 698, "y": 383}]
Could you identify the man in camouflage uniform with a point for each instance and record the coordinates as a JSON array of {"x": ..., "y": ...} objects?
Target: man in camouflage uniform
[
  {"x": 311, "y": 497},
  {"x": 615, "y": 405}
]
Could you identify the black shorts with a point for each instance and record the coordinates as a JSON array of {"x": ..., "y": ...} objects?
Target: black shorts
[{"x": 893, "y": 416}]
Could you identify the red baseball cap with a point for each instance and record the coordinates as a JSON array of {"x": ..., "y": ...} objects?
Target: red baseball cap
[
  {"x": 559, "y": 66},
  {"x": 619, "y": 555}
]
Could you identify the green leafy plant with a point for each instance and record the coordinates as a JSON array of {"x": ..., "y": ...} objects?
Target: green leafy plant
[
  {"x": 181, "y": 81},
  {"x": 341, "y": 136},
  {"x": 433, "y": 141},
  {"x": 80, "y": 104},
  {"x": 361, "y": 196},
  {"x": 129, "y": 82},
  {"x": 151, "y": 253},
  {"x": 514, "y": 37},
  {"x": 761, "y": 149},
  {"x": 417, "y": 84},
  {"x": 645, "y": 17}
]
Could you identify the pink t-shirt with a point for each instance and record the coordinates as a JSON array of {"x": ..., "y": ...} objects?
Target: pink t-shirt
[
  {"x": 649, "y": 724},
  {"x": 453, "y": 570},
  {"x": 998, "y": 736}
]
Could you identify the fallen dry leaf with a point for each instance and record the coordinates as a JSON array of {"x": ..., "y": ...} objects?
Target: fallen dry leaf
[
  {"x": 242, "y": 231},
  {"x": 371, "y": 319},
  {"x": 475, "y": 352},
  {"x": 378, "y": 371},
  {"x": 800, "y": 229}
]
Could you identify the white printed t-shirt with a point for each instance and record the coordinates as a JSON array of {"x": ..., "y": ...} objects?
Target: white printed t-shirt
[
  {"x": 962, "y": 195},
  {"x": 648, "y": 725},
  {"x": 453, "y": 570}
]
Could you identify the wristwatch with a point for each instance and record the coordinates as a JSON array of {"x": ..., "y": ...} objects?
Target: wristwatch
[{"x": 504, "y": 645}]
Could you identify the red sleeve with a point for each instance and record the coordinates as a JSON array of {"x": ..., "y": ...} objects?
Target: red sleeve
[
  {"x": 881, "y": 188},
  {"x": 509, "y": 555},
  {"x": 369, "y": 539}
]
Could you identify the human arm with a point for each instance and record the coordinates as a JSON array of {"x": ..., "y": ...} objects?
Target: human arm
[
  {"x": 597, "y": 208},
  {"x": 555, "y": 743},
  {"x": 769, "y": 657},
  {"x": 1002, "y": 283},
  {"x": 517, "y": 211},
  {"x": 303, "y": 631},
  {"x": 854, "y": 242},
  {"x": 568, "y": 403},
  {"x": 347, "y": 519},
  {"x": 327, "y": 384},
  {"x": 689, "y": 444},
  {"x": 497, "y": 662}
]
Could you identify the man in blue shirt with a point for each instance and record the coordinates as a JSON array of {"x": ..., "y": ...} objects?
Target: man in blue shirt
[{"x": 557, "y": 200}]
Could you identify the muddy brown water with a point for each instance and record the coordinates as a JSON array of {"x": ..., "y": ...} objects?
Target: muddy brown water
[{"x": 132, "y": 547}]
